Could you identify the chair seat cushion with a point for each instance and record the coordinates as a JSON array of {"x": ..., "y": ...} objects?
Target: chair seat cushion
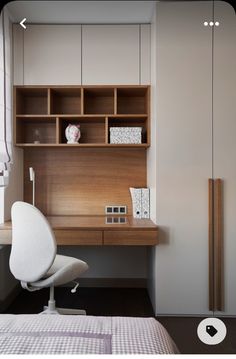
[{"x": 63, "y": 270}]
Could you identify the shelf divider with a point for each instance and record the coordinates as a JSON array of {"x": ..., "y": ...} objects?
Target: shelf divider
[
  {"x": 82, "y": 101},
  {"x": 115, "y": 101},
  {"x": 49, "y": 101},
  {"x": 58, "y": 130},
  {"x": 106, "y": 131}
]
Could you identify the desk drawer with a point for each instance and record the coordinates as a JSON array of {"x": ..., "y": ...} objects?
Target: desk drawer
[
  {"x": 75, "y": 237},
  {"x": 129, "y": 238}
]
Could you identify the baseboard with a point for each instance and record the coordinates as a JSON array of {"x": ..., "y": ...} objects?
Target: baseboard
[
  {"x": 4, "y": 304},
  {"x": 111, "y": 282},
  {"x": 195, "y": 316},
  {"x": 181, "y": 315}
]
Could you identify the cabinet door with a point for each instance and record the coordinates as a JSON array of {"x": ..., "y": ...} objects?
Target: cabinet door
[
  {"x": 52, "y": 55},
  {"x": 110, "y": 54},
  {"x": 145, "y": 54},
  {"x": 184, "y": 151},
  {"x": 18, "y": 54},
  {"x": 224, "y": 129}
]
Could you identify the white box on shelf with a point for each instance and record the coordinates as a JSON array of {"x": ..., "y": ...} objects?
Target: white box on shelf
[{"x": 126, "y": 135}]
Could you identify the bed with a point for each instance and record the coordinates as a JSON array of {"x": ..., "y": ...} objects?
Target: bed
[{"x": 60, "y": 334}]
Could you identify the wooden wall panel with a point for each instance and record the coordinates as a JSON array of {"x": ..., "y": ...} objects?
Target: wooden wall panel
[{"x": 80, "y": 181}]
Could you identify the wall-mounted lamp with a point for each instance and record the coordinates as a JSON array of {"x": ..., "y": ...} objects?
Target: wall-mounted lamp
[{"x": 32, "y": 178}]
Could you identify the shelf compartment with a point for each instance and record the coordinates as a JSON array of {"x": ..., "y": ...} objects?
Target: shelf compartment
[
  {"x": 29, "y": 130},
  {"x": 129, "y": 122},
  {"x": 65, "y": 101},
  {"x": 92, "y": 129},
  {"x": 99, "y": 101},
  {"x": 132, "y": 100},
  {"x": 31, "y": 101}
]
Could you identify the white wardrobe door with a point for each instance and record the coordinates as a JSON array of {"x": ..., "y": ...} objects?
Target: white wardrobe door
[
  {"x": 110, "y": 54},
  {"x": 183, "y": 156},
  {"x": 52, "y": 55},
  {"x": 224, "y": 102}
]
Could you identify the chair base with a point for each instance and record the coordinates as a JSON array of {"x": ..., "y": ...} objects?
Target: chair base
[
  {"x": 52, "y": 309},
  {"x": 65, "y": 311}
]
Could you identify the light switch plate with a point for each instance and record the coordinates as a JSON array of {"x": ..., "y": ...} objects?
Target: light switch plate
[{"x": 116, "y": 209}]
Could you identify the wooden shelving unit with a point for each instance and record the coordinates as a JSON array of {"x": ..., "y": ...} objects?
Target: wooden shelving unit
[{"x": 42, "y": 114}]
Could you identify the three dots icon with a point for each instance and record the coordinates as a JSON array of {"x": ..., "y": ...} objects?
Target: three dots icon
[{"x": 211, "y": 23}]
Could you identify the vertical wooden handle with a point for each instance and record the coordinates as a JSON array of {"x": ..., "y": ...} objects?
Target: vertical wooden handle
[
  {"x": 211, "y": 242},
  {"x": 218, "y": 244}
]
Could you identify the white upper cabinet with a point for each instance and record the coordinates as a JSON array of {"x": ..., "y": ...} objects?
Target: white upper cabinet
[
  {"x": 145, "y": 54},
  {"x": 110, "y": 54},
  {"x": 82, "y": 54},
  {"x": 52, "y": 55}
]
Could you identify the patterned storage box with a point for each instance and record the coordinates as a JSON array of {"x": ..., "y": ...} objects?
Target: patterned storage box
[{"x": 128, "y": 135}]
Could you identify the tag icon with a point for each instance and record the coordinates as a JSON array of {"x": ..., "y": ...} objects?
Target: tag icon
[{"x": 211, "y": 330}]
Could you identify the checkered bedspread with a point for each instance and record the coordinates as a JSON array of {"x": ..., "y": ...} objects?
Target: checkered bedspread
[{"x": 60, "y": 334}]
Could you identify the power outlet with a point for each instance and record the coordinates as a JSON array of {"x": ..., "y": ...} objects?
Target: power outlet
[
  {"x": 116, "y": 209},
  {"x": 115, "y": 220}
]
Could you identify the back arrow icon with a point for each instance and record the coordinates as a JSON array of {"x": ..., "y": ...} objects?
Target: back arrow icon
[{"x": 22, "y": 23}]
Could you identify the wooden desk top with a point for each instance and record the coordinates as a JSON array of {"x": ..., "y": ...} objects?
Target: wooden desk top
[
  {"x": 96, "y": 230},
  {"x": 94, "y": 222}
]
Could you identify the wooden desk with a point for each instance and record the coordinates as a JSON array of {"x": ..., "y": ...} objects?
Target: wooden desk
[{"x": 94, "y": 230}]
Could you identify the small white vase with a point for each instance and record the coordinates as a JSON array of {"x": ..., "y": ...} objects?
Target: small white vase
[{"x": 72, "y": 133}]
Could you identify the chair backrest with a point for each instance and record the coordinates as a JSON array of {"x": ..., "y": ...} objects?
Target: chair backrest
[{"x": 33, "y": 243}]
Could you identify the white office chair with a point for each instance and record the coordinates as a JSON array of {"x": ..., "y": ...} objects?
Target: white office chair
[{"x": 33, "y": 258}]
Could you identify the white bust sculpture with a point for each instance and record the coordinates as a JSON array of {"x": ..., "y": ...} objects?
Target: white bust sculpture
[{"x": 72, "y": 133}]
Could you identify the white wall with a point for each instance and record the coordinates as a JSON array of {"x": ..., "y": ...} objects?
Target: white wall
[
  {"x": 14, "y": 191},
  {"x": 152, "y": 156}
]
